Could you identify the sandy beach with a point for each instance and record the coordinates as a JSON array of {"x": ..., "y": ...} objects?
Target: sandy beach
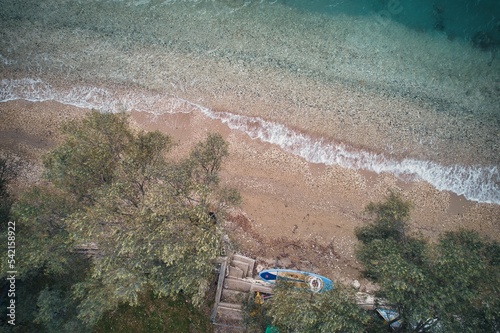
[
  {"x": 327, "y": 106},
  {"x": 301, "y": 213}
]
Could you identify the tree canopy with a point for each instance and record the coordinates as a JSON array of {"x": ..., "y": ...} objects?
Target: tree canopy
[
  {"x": 451, "y": 285},
  {"x": 299, "y": 310},
  {"x": 448, "y": 285},
  {"x": 9, "y": 169},
  {"x": 144, "y": 222}
]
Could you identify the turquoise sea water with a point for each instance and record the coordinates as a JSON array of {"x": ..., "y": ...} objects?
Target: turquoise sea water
[
  {"x": 406, "y": 87},
  {"x": 458, "y": 18}
]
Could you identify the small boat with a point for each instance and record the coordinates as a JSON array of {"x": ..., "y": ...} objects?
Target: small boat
[
  {"x": 314, "y": 282},
  {"x": 390, "y": 317}
]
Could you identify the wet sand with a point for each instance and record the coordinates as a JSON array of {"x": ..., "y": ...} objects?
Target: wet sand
[{"x": 303, "y": 213}]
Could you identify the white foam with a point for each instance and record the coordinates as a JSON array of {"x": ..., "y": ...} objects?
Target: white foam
[
  {"x": 36, "y": 90},
  {"x": 7, "y": 61},
  {"x": 476, "y": 183}
]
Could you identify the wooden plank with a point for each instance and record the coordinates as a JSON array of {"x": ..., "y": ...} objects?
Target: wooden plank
[
  {"x": 230, "y": 313},
  {"x": 241, "y": 265},
  {"x": 249, "y": 261},
  {"x": 233, "y": 296},
  {"x": 262, "y": 289},
  {"x": 220, "y": 284},
  {"x": 237, "y": 284},
  {"x": 235, "y": 272},
  {"x": 230, "y": 305}
]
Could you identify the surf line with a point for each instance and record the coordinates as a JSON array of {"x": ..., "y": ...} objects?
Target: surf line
[{"x": 476, "y": 183}]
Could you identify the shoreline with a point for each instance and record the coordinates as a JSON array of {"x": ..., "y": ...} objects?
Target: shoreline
[
  {"x": 287, "y": 199},
  {"x": 393, "y": 126},
  {"x": 435, "y": 98},
  {"x": 476, "y": 181},
  {"x": 284, "y": 197}
]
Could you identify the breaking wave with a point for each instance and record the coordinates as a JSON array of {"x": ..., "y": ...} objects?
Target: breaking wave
[
  {"x": 476, "y": 183},
  {"x": 103, "y": 100}
]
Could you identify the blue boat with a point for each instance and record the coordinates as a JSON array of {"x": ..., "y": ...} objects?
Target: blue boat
[{"x": 314, "y": 282}]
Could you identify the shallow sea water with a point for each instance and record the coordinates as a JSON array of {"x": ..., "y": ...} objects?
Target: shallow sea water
[{"x": 389, "y": 86}]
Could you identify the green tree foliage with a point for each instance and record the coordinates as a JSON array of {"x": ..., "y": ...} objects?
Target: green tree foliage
[
  {"x": 255, "y": 315},
  {"x": 207, "y": 158},
  {"x": 455, "y": 280},
  {"x": 56, "y": 308},
  {"x": 150, "y": 222},
  {"x": 156, "y": 315},
  {"x": 9, "y": 169},
  {"x": 45, "y": 263},
  {"x": 389, "y": 220},
  {"x": 298, "y": 310},
  {"x": 467, "y": 275},
  {"x": 116, "y": 219},
  {"x": 43, "y": 240},
  {"x": 90, "y": 154}
]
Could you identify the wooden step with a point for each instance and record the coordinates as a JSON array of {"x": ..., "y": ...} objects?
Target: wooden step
[
  {"x": 237, "y": 284},
  {"x": 249, "y": 261},
  {"x": 229, "y": 312},
  {"x": 241, "y": 265},
  {"x": 261, "y": 289},
  {"x": 233, "y": 296},
  {"x": 235, "y": 272},
  {"x": 230, "y": 305}
]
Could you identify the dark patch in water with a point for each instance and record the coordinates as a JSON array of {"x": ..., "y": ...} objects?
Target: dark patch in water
[
  {"x": 438, "y": 12},
  {"x": 485, "y": 41}
]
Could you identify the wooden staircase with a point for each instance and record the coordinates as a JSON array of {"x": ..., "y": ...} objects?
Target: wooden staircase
[{"x": 235, "y": 285}]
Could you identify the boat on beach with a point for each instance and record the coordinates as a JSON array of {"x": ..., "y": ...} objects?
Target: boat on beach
[{"x": 307, "y": 280}]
